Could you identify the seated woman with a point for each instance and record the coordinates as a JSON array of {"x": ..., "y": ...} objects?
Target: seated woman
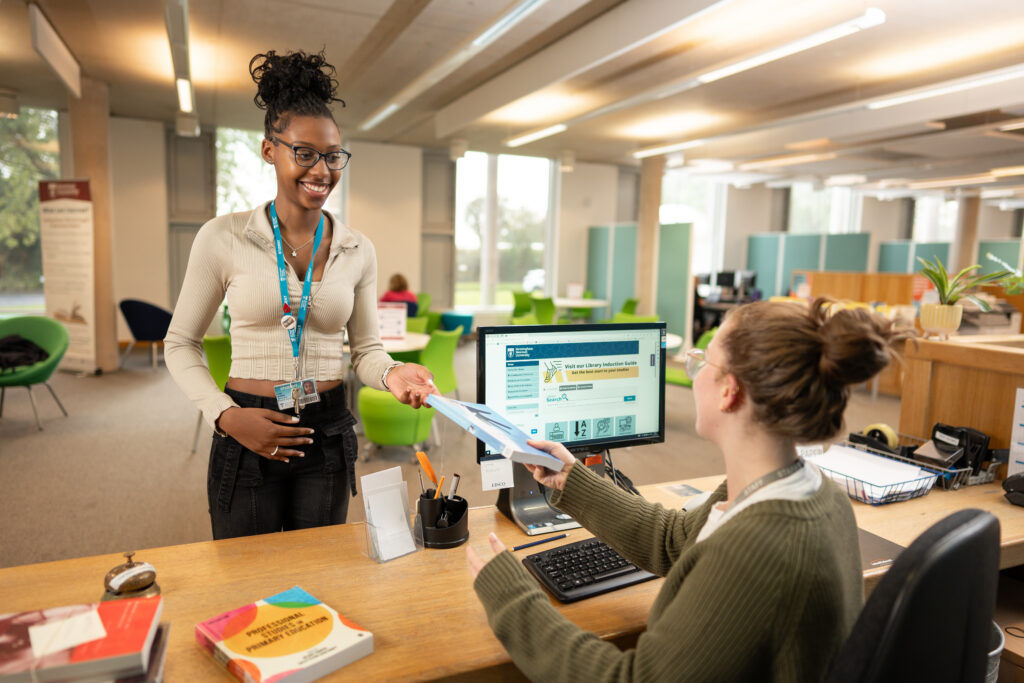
[
  {"x": 763, "y": 580},
  {"x": 398, "y": 290}
]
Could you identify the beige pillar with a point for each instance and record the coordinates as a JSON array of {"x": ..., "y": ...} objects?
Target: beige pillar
[
  {"x": 90, "y": 143},
  {"x": 964, "y": 251},
  {"x": 651, "y": 171}
]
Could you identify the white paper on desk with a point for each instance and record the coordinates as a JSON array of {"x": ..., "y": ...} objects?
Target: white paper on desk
[
  {"x": 1016, "y": 463},
  {"x": 873, "y": 477},
  {"x": 55, "y": 636}
]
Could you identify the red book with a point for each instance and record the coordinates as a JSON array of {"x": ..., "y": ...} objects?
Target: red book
[{"x": 107, "y": 639}]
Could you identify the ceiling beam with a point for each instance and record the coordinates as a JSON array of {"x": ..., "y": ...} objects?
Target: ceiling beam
[
  {"x": 398, "y": 17},
  {"x": 617, "y": 32}
]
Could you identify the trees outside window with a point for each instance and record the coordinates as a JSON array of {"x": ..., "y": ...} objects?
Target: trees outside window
[{"x": 29, "y": 152}]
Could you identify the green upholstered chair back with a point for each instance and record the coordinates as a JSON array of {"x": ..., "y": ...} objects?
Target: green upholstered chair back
[
  {"x": 387, "y": 422},
  {"x": 218, "y": 358},
  {"x": 629, "y": 306},
  {"x": 423, "y": 299},
  {"x": 630, "y": 318},
  {"x": 526, "y": 319},
  {"x": 544, "y": 308},
  {"x": 49, "y": 334},
  {"x": 417, "y": 324},
  {"x": 439, "y": 358},
  {"x": 523, "y": 303},
  {"x": 583, "y": 313}
]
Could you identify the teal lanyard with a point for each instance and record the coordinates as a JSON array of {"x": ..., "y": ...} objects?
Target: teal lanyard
[{"x": 294, "y": 330}]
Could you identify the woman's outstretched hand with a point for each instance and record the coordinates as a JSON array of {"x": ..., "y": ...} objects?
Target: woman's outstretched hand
[
  {"x": 411, "y": 384},
  {"x": 476, "y": 563},
  {"x": 550, "y": 478}
]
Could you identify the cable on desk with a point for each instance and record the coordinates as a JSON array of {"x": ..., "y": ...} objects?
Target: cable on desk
[{"x": 620, "y": 479}]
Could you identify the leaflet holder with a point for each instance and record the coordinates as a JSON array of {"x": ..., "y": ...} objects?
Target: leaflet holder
[{"x": 526, "y": 504}]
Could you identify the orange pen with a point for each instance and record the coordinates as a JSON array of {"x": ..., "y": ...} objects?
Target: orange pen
[
  {"x": 425, "y": 464},
  {"x": 438, "y": 491}
]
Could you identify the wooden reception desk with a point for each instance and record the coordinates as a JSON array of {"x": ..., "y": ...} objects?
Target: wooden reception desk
[{"x": 967, "y": 381}]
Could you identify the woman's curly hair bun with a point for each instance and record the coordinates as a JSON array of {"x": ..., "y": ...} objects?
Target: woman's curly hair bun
[{"x": 294, "y": 84}]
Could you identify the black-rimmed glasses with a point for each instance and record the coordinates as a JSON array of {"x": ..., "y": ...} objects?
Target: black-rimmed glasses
[{"x": 309, "y": 157}]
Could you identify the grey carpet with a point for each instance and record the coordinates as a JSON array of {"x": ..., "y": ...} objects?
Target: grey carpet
[{"x": 117, "y": 475}]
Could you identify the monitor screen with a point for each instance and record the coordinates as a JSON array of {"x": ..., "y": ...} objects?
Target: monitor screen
[
  {"x": 726, "y": 278},
  {"x": 589, "y": 387}
]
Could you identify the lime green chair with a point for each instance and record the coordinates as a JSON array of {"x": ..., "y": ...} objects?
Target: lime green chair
[
  {"x": 544, "y": 309},
  {"x": 630, "y": 318},
  {"x": 417, "y": 325},
  {"x": 423, "y": 299},
  {"x": 523, "y": 304},
  {"x": 582, "y": 313},
  {"x": 527, "y": 319},
  {"x": 439, "y": 358},
  {"x": 674, "y": 375},
  {"x": 629, "y": 306},
  {"x": 218, "y": 360},
  {"x": 386, "y": 422},
  {"x": 49, "y": 335}
]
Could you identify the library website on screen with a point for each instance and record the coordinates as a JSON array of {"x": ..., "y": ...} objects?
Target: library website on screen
[{"x": 579, "y": 390}]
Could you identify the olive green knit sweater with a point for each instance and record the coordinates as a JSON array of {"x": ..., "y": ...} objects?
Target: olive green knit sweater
[{"x": 770, "y": 596}]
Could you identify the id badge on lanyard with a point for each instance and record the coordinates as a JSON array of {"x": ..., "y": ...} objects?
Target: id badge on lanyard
[{"x": 299, "y": 392}]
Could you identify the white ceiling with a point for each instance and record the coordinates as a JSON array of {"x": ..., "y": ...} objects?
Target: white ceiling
[{"x": 570, "y": 59}]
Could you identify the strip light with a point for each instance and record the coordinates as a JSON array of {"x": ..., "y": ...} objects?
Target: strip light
[
  {"x": 953, "y": 182},
  {"x": 1012, "y": 126},
  {"x": 453, "y": 61},
  {"x": 665, "y": 149},
  {"x": 184, "y": 95},
  {"x": 1007, "y": 171},
  {"x": 536, "y": 135},
  {"x": 957, "y": 86},
  {"x": 790, "y": 160},
  {"x": 872, "y": 17}
]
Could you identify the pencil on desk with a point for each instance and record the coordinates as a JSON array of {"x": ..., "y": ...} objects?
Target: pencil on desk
[
  {"x": 437, "y": 493},
  {"x": 543, "y": 540}
]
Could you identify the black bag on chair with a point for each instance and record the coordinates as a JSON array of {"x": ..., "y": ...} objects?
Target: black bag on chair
[{"x": 16, "y": 352}]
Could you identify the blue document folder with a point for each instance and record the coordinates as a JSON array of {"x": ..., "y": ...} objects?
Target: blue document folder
[{"x": 495, "y": 430}]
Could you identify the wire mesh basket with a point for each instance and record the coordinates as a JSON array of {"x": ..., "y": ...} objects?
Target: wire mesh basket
[
  {"x": 880, "y": 494},
  {"x": 948, "y": 478}
]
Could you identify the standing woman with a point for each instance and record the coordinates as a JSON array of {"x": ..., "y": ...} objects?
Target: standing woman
[
  {"x": 283, "y": 457},
  {"x": 763, "y": 580}
]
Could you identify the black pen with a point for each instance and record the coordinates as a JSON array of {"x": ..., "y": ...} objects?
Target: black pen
[{"x": 533, "y": 543}]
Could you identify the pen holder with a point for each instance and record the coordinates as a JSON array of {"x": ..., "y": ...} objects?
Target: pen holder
[{"x": 443, "y": 522}]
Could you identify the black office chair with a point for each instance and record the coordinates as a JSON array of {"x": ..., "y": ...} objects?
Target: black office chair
[
  {"x": 147, "y": 322},
  {"x": 930, "y": 616}
]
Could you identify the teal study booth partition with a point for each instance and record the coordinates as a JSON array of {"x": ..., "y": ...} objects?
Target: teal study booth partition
[
  {"x": 900, "y": 256},
  {"x": 774, "y": 256},
  {"x": 611, "y": 270}
]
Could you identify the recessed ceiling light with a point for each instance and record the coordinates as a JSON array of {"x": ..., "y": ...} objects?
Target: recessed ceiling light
[
  {"x": 790, "y": 160},
  {"x": 536, "y": 135},
  {"x": 665, "y": 149}
]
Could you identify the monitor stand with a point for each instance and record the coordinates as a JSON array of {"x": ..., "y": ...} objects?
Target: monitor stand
[{"x": 526, "y": 505}]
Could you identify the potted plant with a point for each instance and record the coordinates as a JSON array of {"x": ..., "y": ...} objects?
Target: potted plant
[
  {"x": 1013, "y": 283},
  {"x": 944, "y": 317}
]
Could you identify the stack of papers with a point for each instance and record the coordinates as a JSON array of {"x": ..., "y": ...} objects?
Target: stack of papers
[{"x": 873, "y": 479}]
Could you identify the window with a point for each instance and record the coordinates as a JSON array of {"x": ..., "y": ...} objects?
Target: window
[
  {"x": 244, "y": 179},
  {"x": 934, "y": 219},
  {"x": 28, "y": 153},
  {"x": 690, "y": 198},
  {"x": 831, "y": 210},
  {"x": 496, "y": 258}
]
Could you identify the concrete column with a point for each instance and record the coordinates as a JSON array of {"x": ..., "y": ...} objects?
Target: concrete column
[
  {"x": 965, "y": 242},
  {"x": 90, "y": 143},
  {"x": 489, "y": 238},
  {"x": 651, "y": 171}
]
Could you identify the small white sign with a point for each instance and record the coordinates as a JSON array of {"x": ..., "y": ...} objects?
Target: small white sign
[
  {"x": 1016, "y": 464},
  {"x": 496, "y": 474},
  {"x": 391, "y": 319}
]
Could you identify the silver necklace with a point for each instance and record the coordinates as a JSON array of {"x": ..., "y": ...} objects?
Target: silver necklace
[{"x": 295, "y": 250}]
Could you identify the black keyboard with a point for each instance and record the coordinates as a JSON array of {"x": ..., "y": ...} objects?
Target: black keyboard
[{"x": 582, "y": 569}]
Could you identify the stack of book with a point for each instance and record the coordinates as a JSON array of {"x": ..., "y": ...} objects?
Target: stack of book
[{"x": 119, "y": 640}]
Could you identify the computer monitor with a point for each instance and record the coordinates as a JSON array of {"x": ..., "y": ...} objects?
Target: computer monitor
[
  {"x": 590, "y": 387},
  {"x": 745, "y": 281},
  {"x": 726, "y": 278}
]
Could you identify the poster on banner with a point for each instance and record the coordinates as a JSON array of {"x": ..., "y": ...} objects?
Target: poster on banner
[
  {"x": 66, "y": 236},
  {"x": 391, "y": 319}
]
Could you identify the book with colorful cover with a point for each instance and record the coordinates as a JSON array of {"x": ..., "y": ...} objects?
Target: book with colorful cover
[
  {"x": 105, "y": 640},
  {"x": 290, "y": 636},
  {"x": 495, "y": 430}
]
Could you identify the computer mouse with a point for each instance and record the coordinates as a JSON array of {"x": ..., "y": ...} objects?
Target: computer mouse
[{"x": 1014, "y": 487}]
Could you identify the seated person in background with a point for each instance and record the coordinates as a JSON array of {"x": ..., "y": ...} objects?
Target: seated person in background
[
  {"x": 763, "y": 580},
  {"x": 398, "y": 290}
]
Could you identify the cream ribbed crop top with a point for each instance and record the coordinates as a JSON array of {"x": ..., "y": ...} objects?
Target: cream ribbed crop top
[{"x": 234, "y": 256}]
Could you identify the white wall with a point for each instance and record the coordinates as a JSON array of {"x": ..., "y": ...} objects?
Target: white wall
[
  {"x": 882, "y": 220},
  {"x": 588, "y": 197},
  {"x": 385, "y": 202},
  {"x": 138, "y": 176},
  {"x": 747, "y": 212},
  {"x": 993, "y": 223}
]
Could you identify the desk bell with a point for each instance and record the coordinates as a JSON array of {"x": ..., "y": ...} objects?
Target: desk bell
[{"x": 130, "y": 580}]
